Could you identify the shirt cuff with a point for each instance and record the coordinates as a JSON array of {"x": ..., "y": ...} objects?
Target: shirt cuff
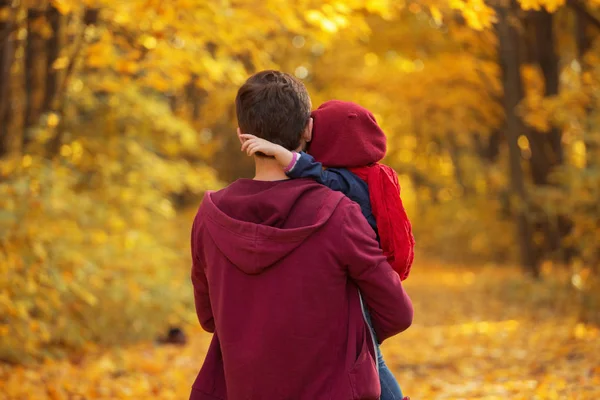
[{"x": 292, "y": 164}]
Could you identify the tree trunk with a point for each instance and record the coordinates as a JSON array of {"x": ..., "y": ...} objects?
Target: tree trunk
[
  {"x": 7, "y": 51},
  {"x": 491, "y": 149},
  {"x": 585, "y": 27},
  {"x": 173, "y": 102},
  {"x": 508, "y": 39},
  {"x": 455, "y": 155},
  {"x": 33, "y": 84},
  {"x": 583, "y": 40},
  {"x": 53, "y": 46},
  {"x": 549, "y": 63},
  {"x": 546, "y": 147},
  {"x": 228, "y": 163},
  {"x": 191, "y": 93},
  {"x": 90, "y": 17}
]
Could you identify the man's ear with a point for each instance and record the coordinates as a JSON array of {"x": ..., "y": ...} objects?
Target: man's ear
[
  {"x": 239, "y": 135},
  {"x": 307, "y": 134}
]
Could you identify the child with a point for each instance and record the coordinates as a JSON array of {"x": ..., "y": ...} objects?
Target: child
[{"x": 348, "y": 142}]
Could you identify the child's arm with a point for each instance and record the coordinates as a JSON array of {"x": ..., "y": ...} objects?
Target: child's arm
[
  {"x": 253, "y": 145},
  {"x": 296, "y": 165},
  {"x": 307, "y": 167}
]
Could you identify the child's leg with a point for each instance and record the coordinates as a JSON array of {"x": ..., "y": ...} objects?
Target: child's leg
[{"x": 390, "y": 390}]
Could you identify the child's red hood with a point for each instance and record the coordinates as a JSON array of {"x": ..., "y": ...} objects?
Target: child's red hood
[{"x": 346, "y": 135}]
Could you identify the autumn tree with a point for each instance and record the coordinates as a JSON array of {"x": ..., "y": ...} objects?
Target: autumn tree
[{"x": 115, "y": 116}]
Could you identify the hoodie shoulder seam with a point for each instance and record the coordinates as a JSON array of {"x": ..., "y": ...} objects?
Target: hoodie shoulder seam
[
  {"x": 252, "y": 237},
  {"x": 273, "y": 237}
]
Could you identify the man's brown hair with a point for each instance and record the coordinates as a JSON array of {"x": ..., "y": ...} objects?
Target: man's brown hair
[{"x": 274, "y": 106}]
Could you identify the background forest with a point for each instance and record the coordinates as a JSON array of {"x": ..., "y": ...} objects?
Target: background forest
[{"x": 116, "y": 116}]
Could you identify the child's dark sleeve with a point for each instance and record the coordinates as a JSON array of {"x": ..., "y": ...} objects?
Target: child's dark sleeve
[{"x": 307, "y": 167}]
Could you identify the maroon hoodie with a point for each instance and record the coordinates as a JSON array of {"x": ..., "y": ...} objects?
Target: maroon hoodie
[{"x": 277, "y": 269}]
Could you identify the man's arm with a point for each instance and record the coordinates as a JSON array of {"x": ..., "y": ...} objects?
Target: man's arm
[
  {"x": 199, "y": 281},
  {"x": 381, "y": 288}
]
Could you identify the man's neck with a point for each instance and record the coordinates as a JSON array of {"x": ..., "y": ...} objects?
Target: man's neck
[{"x": 268, "y": 169}]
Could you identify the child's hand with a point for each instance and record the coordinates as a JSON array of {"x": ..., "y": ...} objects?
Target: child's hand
[{"x": 252, "y": 145}]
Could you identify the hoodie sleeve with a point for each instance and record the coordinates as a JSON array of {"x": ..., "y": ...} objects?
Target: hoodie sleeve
[
  {"x": 201, "y": 297},
  {"x": 307, "y": 167},
  {"x": 381, "y": 288}
]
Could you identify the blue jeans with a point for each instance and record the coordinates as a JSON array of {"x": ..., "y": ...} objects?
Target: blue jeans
[{"x": 390, "y": 390}]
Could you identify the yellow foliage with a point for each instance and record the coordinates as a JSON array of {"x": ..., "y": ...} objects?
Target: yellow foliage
[
  {"x": 479, "y": 333},
  {"x": 82, "y": 233},
  {"x": 92, "y": 244},
  {"x": 550, "y": 5}
]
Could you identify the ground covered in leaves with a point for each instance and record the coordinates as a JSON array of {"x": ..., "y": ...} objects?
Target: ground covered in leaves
[{"x": 484, "y": 333}]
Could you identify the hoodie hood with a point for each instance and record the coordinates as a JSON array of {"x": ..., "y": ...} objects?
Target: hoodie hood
[{"x": 255, "y": 224}]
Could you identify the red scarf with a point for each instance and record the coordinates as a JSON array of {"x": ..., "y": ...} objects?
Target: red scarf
[{"x": 395, "y": 231}]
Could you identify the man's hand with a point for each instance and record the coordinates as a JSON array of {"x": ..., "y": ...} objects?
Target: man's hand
[{"x": 252, "y": 145}]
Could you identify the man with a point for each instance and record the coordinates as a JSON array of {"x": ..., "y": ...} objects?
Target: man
[{"x": 279, "y": 267}]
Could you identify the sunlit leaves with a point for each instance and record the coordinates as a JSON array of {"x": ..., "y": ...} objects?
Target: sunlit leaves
[
  {"x": 483, "y": 333},
  {"x": 85, "y": 229},
  {"x": 477, "y": 13},
  {"x": 64, "y": 6},
  {"x": 550, "y": 5}
]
